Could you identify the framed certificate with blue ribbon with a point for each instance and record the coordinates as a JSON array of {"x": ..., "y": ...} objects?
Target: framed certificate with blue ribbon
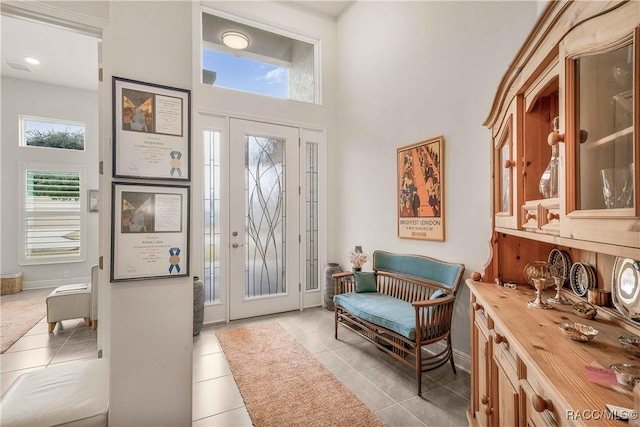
[
  {"x": 151, "y": 131},
  {"x": 150, "y": 231}
]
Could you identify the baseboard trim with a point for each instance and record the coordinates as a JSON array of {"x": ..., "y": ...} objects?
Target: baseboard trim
[
  {"x": 462, "y": 360},
  {"x": 41, "y": 284}
]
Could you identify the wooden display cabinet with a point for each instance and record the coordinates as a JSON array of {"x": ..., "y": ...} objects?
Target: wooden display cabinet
[
  {"x": 573, "y": 90},
  {"x": 599, "y": 71}
]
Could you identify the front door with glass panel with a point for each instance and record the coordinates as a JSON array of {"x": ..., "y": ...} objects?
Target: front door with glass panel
[{"x": 264, "y": 219}]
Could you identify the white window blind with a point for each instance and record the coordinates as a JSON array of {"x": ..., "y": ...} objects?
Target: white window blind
[{"x": 53, "y": 215}]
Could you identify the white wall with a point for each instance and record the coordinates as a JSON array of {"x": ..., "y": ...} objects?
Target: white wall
[
  {"x": 149, "y": 322},
  {"x": 409, "y": 71},
  {"x": 24, "y": 97}
]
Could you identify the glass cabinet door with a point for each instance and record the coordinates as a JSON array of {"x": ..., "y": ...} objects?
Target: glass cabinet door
[
  {"x": 505, "y": 166},
  {"x": 505, "y": 206},
  {"x": 603, "y": 130}
]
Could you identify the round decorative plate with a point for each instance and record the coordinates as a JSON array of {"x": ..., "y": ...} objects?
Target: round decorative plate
[
  {"x": 560, "y": 263},
  {"x": 625, "y": 287},
  {"x": 582, "y": 277}
]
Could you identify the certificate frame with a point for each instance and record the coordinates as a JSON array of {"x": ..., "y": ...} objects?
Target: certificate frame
[
  {"x": 420, "y": 203},
  {"x": 150, "y": 231},
  {"x": 151, "y": 131}
]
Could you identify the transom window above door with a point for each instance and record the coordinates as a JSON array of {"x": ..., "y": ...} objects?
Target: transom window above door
[{"x": 243, "y": 57}]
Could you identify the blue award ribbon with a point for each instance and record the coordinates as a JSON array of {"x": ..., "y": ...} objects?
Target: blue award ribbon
[
  {"x": 175, "y": 162},
  {"x": 174, "y": 260}
]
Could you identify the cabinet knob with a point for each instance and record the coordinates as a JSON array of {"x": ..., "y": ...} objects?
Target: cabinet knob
[
  {"x": 529, "y": 216},
  {"x": 540, "y": 404},
  {"x": 476, "y": 306},
  {"x": 509, "y": 164},
  {"x": 584, "y": 135},
  {"x": 484, "y": 399},
  {"x": 488, "y": 411},
  {"x": 498, "y": 339},
  {"x": 555, "y": 137},
  {"x": 551, "y": 216}
]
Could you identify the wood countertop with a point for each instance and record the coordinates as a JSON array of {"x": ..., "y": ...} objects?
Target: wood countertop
[{"x": 558, "y": 362}]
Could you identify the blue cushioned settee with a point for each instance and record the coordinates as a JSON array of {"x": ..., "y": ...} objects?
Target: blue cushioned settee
[{"x": 401, "y": 307}]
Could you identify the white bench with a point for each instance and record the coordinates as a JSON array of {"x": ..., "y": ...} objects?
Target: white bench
[
  {"x": 74, "y": 394},
  {"x": 74, "y": 301}
]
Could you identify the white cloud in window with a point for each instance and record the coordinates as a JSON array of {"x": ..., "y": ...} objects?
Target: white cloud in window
[{"x": 277, "y": 75}]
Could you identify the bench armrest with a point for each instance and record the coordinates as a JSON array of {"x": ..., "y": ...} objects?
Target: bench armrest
[
  {"x": 433, "y": 318},
  {"x": 344, "y": 282},
  {"x": 434, "y": 302}
]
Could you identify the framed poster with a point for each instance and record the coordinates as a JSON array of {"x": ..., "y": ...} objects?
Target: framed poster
[
  {"x": 151, "y": 131},
  {"x": 421, "y": 190},
  {"x": 150, "y": 231}
]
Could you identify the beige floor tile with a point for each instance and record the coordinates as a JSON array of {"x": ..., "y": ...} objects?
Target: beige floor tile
[
  {"x": 30, "y": 342},
  {"x": 335, "y": 364},
  {"x": 205, "y": 344},
  {"x": 362, "y": 355},
  {"x": 27, "y": 359},
  {"x": 76, "y": 351},
  {"x": 210, "y": 366},
  {"x": 215, "y": 396},
  {"x": 234, "y": 418},
  {"x": 367, "y": 392},
  {"x": 383, "y": 384},
  {"x": 398, "y": 386},
  {"x": 83, "y": 333},
  {"x": 439, "y": 407},
  {"x": 397, "y": 416}
]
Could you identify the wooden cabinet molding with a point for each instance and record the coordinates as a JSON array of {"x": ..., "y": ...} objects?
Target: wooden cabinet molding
[{"x": 541, "y": 47}]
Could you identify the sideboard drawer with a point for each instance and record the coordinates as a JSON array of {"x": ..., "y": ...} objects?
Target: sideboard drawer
[{"x": 539, "y": 410}]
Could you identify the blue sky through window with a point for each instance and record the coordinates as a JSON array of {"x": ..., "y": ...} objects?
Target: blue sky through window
[{"x": 246, "y": 74}]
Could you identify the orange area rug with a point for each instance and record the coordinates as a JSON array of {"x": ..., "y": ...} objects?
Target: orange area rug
[{"x": 282, "y": 384}]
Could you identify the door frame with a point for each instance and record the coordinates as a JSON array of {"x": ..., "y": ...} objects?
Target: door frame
[
  {"x": 241, "y": 306},
  {"x": 219, "y": 312}
]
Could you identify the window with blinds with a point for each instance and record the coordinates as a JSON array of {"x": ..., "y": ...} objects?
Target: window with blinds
[{"x": 52, "y": 214}]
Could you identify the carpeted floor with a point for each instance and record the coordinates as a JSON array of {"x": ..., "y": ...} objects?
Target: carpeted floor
[
  {"x": 19, "y": 313},
  {"x": 282, "y": 384}
]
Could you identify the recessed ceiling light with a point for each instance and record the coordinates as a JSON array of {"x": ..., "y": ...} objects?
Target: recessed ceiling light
[
  {"x": 235, "y": 40},
  {"x": 32, "y": 61}
]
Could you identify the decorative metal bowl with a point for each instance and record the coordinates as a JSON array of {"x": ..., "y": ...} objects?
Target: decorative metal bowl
[
  {"x": 538, "y": 270},
  {"x": 585, "y": 310},
  {"x": 627, "y": 374},
  {"x": 578, "y": 331},
  {"x": 630, "y": 344}
]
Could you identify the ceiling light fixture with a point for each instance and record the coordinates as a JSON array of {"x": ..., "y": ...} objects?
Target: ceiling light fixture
[
  {"x": 31, "y": 60},
  {"x": 235, "y": 40}
]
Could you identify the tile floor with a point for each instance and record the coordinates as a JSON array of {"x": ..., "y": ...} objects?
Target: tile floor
[{"x": 384, "y": 385}]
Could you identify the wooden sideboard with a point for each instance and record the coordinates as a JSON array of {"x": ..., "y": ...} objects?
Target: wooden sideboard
[
  {"x": 526, "y": 372},
  {"x": 567, "y": 107}
]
